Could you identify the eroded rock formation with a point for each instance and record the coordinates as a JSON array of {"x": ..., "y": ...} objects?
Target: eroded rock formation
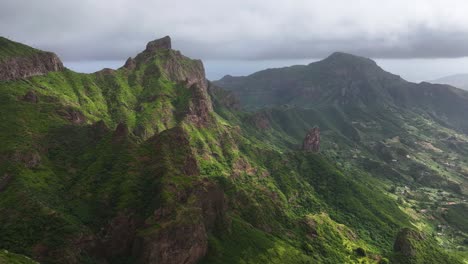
[
  {"x": 27, "y": 66},
  {"x": 312, "y": 140}
]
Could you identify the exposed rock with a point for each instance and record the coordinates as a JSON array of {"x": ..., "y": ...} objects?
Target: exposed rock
[
  {"x": 185, "y": 240},
  {"x": 120, "y": 133},
  {"x": 72, "y": 115},
  {"x": 312, "y": 140},
  {"x": 191, "y": 166},
  {"x": 224, "y": 97},
  {"x": 106, "y": 71},
  {"x": 99, "y": 129},
  {"x": 181, "y": 70},
  {"x": 5, "y": 180},
  {"x": 140, "y": 131},
  {"x": 200, "y": 106},
  {"x": 119, "y": 236},
  {"x": 260, "y": 121},
  {"x": 311, "y": 227},
  {"x": 31, "y": 97},
  {"x": 23, "y": 67},
  {"x": 177, "y": 244},
  {"x": 130, "y": 64},
  {"x": 30, "y": 159},
  {"x": 162, "y": 43},
  {"x": 403, "y": 243},
  {"x": 242, "y": 166}
]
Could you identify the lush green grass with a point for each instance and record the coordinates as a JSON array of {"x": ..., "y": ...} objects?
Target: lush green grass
[
  {"x": 11, "y": 258},
  {"x": 10, "y": 49},
  {"x": 282, "y": 205}
]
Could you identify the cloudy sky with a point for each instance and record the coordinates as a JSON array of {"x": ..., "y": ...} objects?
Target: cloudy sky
[{"x": 418, "y": 39}]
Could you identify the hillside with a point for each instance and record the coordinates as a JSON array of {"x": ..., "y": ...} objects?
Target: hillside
[
  {"x": 413, "y": 137},
  {"x": 151, "y": 163}
]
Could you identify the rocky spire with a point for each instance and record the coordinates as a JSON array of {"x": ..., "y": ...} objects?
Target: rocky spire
[
  {"x": 158, "y": 44},
  {"x": 312, "y": 140},
  {"x": 130, "y": 64}
]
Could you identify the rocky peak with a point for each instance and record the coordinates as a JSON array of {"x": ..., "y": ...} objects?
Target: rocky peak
[
  {"x": 130, "y": 64},
  {"x": 158, "y": 44},
  {"x": 312, "y": 140}
]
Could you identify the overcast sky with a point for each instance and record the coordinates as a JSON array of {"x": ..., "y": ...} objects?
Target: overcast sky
[{"x": 238, "y": 37}]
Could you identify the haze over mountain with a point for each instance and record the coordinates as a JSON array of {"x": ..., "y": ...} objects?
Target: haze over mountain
[
  {"x": 456, "y": 80},
  {"x": 428, "y": 40},
  {"x": 337, "y": 161}
]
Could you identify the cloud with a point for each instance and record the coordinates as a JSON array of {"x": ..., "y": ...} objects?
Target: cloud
[{"x": 242, "y": 29}]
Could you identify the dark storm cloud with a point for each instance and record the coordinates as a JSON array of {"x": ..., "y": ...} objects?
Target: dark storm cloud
[{"x": 243, "y": 29}]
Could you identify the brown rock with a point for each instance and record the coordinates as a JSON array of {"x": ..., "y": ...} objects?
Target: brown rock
[
  {"x": 158, "y": 44},
  {"x": 260, "y": 121},
  {"x": 119, "y": 236},
  {"x": 184, "y": 240},
  {"x": 30, "y": 159},
  {"x": 403, "y": 244},
  {"x": 5, "y": 180},
  {"x": 23, "y": 67},
  {"x": 130, "y": 64},
  {"x": 99, "y": 129},
  {"x": 120, "y": 133},
  {"x": 177, "y": 244},
  {"x": 31, "y": 97},
  {"x": 312, "y": 140},
  {"x": 72, "y": 115}
]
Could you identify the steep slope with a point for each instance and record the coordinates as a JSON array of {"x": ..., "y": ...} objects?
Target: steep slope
[
  {"x": 410, "y": 136},
  {"x": 20, "y": 61},
  {"x": 152, "y": 164}
]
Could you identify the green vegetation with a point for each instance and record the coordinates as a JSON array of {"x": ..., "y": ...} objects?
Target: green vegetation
[
  {"x": 112, "y": 165},
  {"x": 11, "y": 258},
  {"x": 10, "y": 49}
]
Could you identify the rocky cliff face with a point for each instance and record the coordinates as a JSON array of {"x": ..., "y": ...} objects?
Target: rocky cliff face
[
  {"x": 312, "y": 140},
  {"x": 27, "y": 66},
  {"x": 405, "y": 242},
  {"x": 181, "y": 70}
]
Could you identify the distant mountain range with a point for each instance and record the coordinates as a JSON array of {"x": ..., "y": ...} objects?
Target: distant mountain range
[
  {"x": 456, "y": 80},
  {"x": 337, "y": 161}
]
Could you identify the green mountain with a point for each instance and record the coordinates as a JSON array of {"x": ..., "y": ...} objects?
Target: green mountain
[
  {"x": 413, "y": 137},
  {"x": 151, "y": 163}
]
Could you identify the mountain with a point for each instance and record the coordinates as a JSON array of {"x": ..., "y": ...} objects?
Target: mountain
[
  {"x": 457, "y": 80},
  {"x": 151, "y": 163},
  {"x": 412, "y": 136}
]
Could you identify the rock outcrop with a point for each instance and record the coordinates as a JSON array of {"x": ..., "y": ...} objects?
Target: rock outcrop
[
  {"x": 5, "y": 180},
  {"x": 162, "y": 43},
  {"x": 261, "y": 121},
  {"x": 312, "y": 140},
  {"x": 72, "y": 115},
  {"x": 184, "y": 240},
  {"x": 120, "y": 133},
  {"x": 182, "y": 70},
  {"x": 31, "y": 97},
  {"x": 27, "y": 66},
  {"x": 130, "y": 64},
  {"x": 404, "y": 244}
]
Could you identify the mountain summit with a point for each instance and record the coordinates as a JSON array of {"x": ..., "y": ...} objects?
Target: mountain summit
[
  {"x": 151, "y": 163},
  {"x": 162, "y": 43}
]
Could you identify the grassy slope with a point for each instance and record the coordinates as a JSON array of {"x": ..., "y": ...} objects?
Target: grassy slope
[
  {"x": 10, "y": 49},
  {"x": 283, "y": 205}
]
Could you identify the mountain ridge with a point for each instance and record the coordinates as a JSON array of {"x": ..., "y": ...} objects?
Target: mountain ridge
[{"x": 151, "y": 163}]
